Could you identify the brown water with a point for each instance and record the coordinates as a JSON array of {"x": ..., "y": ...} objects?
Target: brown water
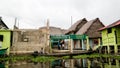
[{"x": 65, "y": 63}]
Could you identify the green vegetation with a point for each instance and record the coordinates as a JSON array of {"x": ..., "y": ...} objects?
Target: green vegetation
[
  {"x": 92, "y": 56},
  {"x": 44, "y": 58},
  {"x": 28, "y": 58},
  {"x": 65, "y": 57}
]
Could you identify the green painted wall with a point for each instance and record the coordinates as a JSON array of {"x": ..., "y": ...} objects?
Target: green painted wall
[
  {"x": 104, "y": 37},
  {"x": 110, "y": 38},
  {"x": 6, "y": 39},
  {"x": 118, "y": 34}
]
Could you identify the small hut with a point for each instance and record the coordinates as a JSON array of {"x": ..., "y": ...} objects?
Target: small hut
[
  {"x": 89, "y": 28},
  {"x": 76, "y": 26},
  {"x": 73, "y": 30},
  {"x": 111, "y": 37}
]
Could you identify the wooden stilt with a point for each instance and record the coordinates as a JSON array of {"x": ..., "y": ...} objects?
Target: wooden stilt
[
  {"x": 88, "y": 46},
  {"x": 105, "y": 50},
  {"x": 108, "y": 48},
  {"x": 82, "y": 44},
  {"x": 71, "y": 45},
  {"x": 117, "y": 63},
  {"x": 89, "y": 63},
  {"x": 115, "y": 49},
  {"x": 71, "y": 63}
]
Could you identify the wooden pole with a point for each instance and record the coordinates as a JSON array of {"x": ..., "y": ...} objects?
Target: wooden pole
[
  {"x": 71, "y": 63},
  {"x": 88, "y": 46},
  {"x": 117, "y": 63},
  {"x": 99, "y": 45},
  {"x": 71, "y": 20},
  {"x": 15, "y": 23},
  {"x": 115, "y": 43},
  {"x": 71, "y": 45},
  {"x": 108, "y": 47},
  {"x": 83, "y": 44},
  {"x": 89, "y": 63}
]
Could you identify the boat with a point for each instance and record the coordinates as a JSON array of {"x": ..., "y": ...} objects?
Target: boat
[{"x": 60, "y": 51}]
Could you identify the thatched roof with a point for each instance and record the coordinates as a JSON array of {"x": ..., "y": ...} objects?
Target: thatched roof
[
  {"x": 93, "y": 31},
  {"x": 85, "y": 27},
  {"x": 55, "y": 30},
  {"x": 76, "y": 26}
]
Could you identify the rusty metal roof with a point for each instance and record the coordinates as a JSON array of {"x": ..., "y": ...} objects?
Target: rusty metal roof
[{"x": 111, "y": 25}]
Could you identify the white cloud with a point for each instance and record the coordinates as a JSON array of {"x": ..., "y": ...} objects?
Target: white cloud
[{"x": 34, "y": 13}]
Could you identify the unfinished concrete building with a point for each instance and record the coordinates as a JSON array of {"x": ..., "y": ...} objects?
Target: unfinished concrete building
[
  {"x": 31, "y": 40},
  {"x": 27, "y": 40}
]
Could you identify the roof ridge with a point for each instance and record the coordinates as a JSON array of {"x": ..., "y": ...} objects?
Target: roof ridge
[
  {"x": 3, "y": 23},
  {"x": 89, "y": 23},
  {"x": 74, "y": 26}
]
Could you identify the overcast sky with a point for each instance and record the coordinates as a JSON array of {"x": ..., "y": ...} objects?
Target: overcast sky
[{"x": 34, "y": 13}]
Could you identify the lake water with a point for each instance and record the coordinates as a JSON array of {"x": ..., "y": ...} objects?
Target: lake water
[{"x": 65, "y": 63}]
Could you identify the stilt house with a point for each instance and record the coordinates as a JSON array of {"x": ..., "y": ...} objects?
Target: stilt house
[
  {"x": 89, "y": 28},
  {"x": 111, "y": 37},
  {"x": 5, "y": 36}
]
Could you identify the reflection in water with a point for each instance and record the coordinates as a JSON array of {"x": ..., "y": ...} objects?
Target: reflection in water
[
  {"x": 30, "y": 65},
  {"x": 70, "y": 63},
  {"x": 87, "y": 63},
  {"x": 58, "y": 63},
  {"x": 65, "y": 63},
  {"x": 4, "y": 64}
]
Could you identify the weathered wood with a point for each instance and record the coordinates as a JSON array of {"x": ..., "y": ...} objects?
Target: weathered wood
[{"x": 66, "y": 54}]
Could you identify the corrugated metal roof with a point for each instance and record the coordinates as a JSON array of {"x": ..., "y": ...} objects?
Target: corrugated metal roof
[{"x": 111, "y": 25}]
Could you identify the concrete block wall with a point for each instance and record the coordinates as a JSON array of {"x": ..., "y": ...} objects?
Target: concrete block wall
[{"x": 36, "y": 40}]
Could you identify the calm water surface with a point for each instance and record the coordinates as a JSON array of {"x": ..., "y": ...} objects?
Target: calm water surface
[{"x": 65, "y": 63}]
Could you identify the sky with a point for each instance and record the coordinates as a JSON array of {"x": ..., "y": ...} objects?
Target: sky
[{"x": 33, "y": 14}]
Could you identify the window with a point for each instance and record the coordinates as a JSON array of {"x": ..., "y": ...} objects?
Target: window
[
  {"x": 96, "y": 41},
  {"x": 25, "y": 40},
  {"x": 109, "y": 30},
  {"x": 1, "y": 38}
]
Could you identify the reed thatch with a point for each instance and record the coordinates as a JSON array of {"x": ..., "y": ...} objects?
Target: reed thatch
[
  {"x": 91, "y": 28},
  {"x": 76, "y": 26}
]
